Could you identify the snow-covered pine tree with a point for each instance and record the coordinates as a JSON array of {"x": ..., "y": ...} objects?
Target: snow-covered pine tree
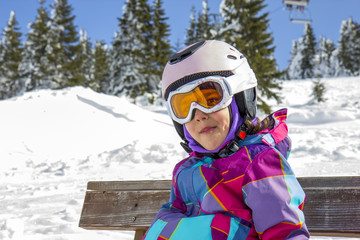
[
  {"x": 1, "y": 62},
  {"x": 113, "y": 84},
  {"x": 63, "y": 45},
  {"x": 308, "y": 51},
  {"x": 329, "y": 50},
  {"x": 323, "y": 57},
  {"x": 204, "y": 24},
  {"x": 130, "y": 51},
  {"x": 191, "y": 31},
  {"x": 33, "y": 70},
  {"x": 246, "y": 27},
  {"x": 293, "y": 70},
  {"x": 318, "y": 92},
  {"x": 100, "y": 67},
  {"x": 348, "y": 52},
  {"x": 11, "y": 57},
  {"x": 202, "y": 28},
  {"x": 160, "y": 44},
  {"x": 84, "y": 56},
  {"x": 143, "y": 54},
  {"x": 121, "y": 59}
]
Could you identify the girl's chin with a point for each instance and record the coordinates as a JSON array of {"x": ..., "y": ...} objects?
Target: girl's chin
[{"x": 211, "y": 147}]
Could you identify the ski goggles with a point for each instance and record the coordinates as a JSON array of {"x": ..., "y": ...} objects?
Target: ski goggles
[{"x": 208, "y": 94}]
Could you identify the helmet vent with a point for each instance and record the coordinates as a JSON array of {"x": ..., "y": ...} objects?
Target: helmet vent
[
  {"x": 178, "y": 57},
  {"x": 232, "y": 57}
]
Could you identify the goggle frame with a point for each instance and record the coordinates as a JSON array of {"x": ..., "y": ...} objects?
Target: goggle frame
[{"x": 225, "y": 101}]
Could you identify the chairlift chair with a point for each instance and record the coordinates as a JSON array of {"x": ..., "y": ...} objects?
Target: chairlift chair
[
  {"x": 298, "y": 20},
  {"x": 298, "y": 11},
  {"x": 303, "y": 3}
]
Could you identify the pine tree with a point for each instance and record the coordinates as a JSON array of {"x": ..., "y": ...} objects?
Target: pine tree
[
  {"x": 324, "y": 53},
  {"x": 117, "y": 66},
  {"x": 329, "y": 50},
  {"x": 246, "y": 28},
  {"x": 349, "y": 48},
  {"x": 160, "y": 46},
  {"x": 293, "y": 70},
  {"x": 308, "y": 51},
  {"x": 142, "y": 55},
  {"x": 63, "y": 45},
  {"x": 85, "y": 58},
  {"x": 202, "y": 28},
  {"x": 318, "y": 91},
  {"x": 1, "y": 61},
  {"x": 191, "y": 31},
  {"x": 11, "y": 57},
  {"x": 130, "y": 51},
  {"x": 100, "y": 67},
  {"x": 121, "y": 55},
  {"x": 33, "y": 69},
  {"x": 204, "y": 25}
]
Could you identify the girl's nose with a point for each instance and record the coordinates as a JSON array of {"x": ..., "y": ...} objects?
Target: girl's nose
[{"x": 199, "y": 115}]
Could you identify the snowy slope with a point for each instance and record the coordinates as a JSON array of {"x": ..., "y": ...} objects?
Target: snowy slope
[
  {"x": 53, "y": 142},
  {"x": 325, "y": 137}
]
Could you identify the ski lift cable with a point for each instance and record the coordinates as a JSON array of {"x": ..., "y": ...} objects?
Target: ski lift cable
[
  {"x": 272, "y": 12},
  {"x": 275, "y": 10}
]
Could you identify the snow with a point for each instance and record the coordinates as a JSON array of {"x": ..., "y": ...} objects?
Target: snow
[{"x": 54, "y": 142}]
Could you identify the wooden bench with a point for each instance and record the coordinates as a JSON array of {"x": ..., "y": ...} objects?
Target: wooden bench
[{"x": 332, "y": 206}]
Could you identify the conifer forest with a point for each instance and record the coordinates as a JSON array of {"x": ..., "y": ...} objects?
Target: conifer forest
[{"x": 56, "y": 54}]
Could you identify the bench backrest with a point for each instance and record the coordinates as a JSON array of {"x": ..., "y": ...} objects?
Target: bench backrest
[{"x": 332, "y": 206}]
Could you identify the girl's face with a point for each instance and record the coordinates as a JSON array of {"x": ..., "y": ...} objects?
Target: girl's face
[{"x": 209, "y": 129}]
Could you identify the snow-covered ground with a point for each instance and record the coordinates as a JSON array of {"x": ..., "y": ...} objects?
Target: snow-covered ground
[{"x": 53, "y": 142}]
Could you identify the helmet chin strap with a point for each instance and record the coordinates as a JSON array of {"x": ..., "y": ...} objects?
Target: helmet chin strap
[{"x": 185, "y": 146}]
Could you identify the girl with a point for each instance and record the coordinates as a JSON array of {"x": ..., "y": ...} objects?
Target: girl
[{"x": 236, "y": 182}]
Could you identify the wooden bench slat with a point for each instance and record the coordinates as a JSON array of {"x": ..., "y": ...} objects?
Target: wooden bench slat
[
  {"x": 331, "y": 208},
  {"x": 330, "y": 182},
  {"x": 129, "y": 185}
]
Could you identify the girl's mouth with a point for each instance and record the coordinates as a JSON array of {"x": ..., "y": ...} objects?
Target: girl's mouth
[{"x": 207, "y": 130}]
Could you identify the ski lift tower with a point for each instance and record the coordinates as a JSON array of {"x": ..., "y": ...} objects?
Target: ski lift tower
[{"x": 299, "y": 12}]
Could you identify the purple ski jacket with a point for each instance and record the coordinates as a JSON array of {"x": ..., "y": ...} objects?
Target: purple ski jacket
[{"x": 251, "y": 194}]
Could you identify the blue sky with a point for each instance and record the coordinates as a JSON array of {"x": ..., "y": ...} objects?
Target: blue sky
[{"x": 99, "y": 18}]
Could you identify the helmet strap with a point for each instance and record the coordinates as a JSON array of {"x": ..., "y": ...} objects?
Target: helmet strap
[
  {"x": 242, "y": 130},
  {"x": 185, "y": 146},
  {"x": 180, "y": 130}
]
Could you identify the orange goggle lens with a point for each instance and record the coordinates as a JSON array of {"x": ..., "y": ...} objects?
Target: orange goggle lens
[{"x": 207, "y": 94}]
